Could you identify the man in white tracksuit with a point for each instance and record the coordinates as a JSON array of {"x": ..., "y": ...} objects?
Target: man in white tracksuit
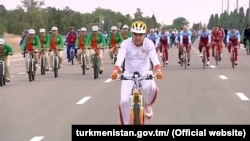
[{"x": 136, "y": 51}]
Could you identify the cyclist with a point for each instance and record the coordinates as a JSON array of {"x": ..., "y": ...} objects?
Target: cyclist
[
  {"x": 164, "y": 41},
  {"x": 96, "y": 40},
  {"x": 31, "y": 44},
  {"x": 177, "y": 42},
  {"x": 204, "y": 37},
  {"x": 25, "y": 33},
  {"x": 137, "y": 49},
  {"x": 80, "y": 44},
  {"x": 185, "y": 41},
  {"x": 5, "y": 51},
  {"x": 217, "y": 38},
  {"x": 55, "y": 44},
  {"x": 114, "y": 41},
  {"x": 43, "y": 37},
  {"x": 70, "y": 41},
  {"x": 233, "y": 38},
  {"x": 152, "y": 36},
  {"x": 125, "y": 32},
  {"x": 246, "y": 35}
]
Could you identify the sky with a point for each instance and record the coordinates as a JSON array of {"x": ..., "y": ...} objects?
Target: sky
[{"x": 194, "y": 11}]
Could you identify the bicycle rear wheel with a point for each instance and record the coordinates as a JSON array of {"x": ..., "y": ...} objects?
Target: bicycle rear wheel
[
  {"x": 233, "y": 59},
  {"x": 72, "y": 56},
  {"x": 42, "y": 65},
  {"x": 185, "y": 60},
  {"x": 95, "y": 61},
  {"x": 1, "y": 75},
  {"x": 216, "y": 57},
  {"x": 83, "y": 65},
  {"x": 204, "y": 59},
  {"x": 30, "y": 71},
  {"x": 163, "y": 57},
  {"x": 115, "y": 58},
  {"x": 1, "y": 80},
  {"x": 55, "y": 68}
]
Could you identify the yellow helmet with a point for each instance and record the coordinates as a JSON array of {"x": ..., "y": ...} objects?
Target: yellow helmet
[{"x": 138, "y": 27}]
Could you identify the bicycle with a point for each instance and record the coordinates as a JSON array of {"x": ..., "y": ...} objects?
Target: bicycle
[
  {"x": 83, "y": 61},
  {"x": 115, "y": 52},
  {"x": 233, "y": 55},
  {"x": 72, "y": 55},
  {"x": 164, "y": 53},
  {"x": 184, "y": 58},
  {"x": 204, "y": 53},
  {"x": 43, "y": 62},
  {"x": 96, "y": 63},
  {"x": 2, "y": 71},
  {"x": 136, "y": 99},
  {"x": 217, "y": 56},
  {"x": 55, "y": 62},
  {"x": 151, "y": 64},
  {"x": 31, "y": 66}
]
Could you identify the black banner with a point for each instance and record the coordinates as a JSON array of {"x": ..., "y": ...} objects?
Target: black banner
[{"x": 171, "y": 132}]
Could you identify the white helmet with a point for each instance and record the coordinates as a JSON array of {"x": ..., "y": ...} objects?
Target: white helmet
[
  {"x": 83, "y": 29},
  {"x": 32, "y": 31},
  {"x": 95, "y": 28},
  {"x": 114, "y": 28},
  {"x": 138, "y": 27},
  {"x": 1, "y": 41},
  {"x": 54, "y": 28},
  {"x": 125, "y": 26},
  {"x": 42, "y": 30}
]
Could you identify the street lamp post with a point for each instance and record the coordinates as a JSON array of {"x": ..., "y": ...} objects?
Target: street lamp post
[{"x": 103, "y": 25}]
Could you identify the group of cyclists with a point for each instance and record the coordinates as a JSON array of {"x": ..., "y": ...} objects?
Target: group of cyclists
[
  {"x": 137, "y": 46},
  {"x": 182, "y": 39}
]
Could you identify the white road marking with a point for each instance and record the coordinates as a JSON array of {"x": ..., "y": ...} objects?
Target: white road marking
[
  {"x": 37, "y": 138},
  {"x": 212, "y": 66},
  {"x": 242, "y": 96},
  {"x": 223, "y": 77},
  {"x": 83, "y": 100},
  {"x": 108, "y": 80},
  {"x": 12, "y": 76},
  {"x": 17, "y": 59},
  {"x": 21, "y": 73}
]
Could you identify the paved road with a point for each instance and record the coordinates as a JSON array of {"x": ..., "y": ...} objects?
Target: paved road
[{"x": 46, "y": 109}]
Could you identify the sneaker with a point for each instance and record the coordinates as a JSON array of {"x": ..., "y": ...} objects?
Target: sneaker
[
  {"x": 208, "y": 63},
  {"x": 236, "y": 63},
  {"x": 149, "y": 112},
  {"x": 7, "y": 79},
  {"x": 100, "y": 71},
  {"x": 167, "y": 62}
]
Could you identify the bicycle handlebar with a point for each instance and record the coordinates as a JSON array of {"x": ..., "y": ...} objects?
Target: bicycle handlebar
[{"x": 134, "y": 77}]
